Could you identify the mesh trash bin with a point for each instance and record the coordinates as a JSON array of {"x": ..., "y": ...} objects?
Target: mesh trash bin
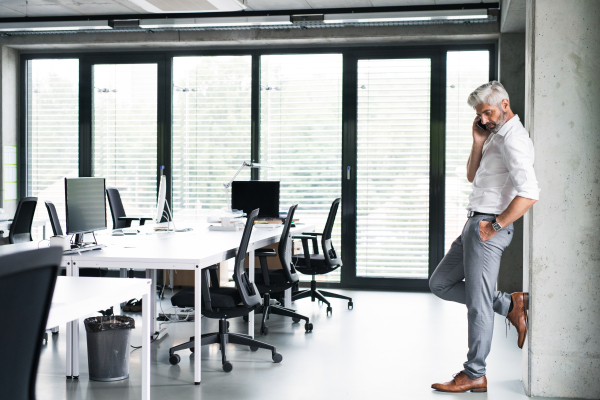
[{"x": 108, "y": 347}]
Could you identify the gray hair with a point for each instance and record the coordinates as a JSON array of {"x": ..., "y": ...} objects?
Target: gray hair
[{"x": 491, "y": 93}]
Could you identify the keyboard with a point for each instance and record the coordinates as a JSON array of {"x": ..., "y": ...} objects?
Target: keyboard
[{"x": 85, "y": 248}]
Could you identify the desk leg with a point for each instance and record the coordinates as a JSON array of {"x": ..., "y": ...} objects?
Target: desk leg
[
  {"x": 151, "y": 274},
  {"x": 197, "y": 325},
  {"x": 72, "y": 334},
  {"x": 251, "y": 273},
  {"x": 287, "y": 298},
  {"x": 123, "y": 274},
  {"x": 147, "y": 298}
]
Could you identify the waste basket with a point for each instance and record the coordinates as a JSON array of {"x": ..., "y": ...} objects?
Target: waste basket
[{"x": 108, "y": 347}]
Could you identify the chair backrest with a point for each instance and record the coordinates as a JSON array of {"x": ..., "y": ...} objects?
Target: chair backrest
[
  {"x": 27, "y": 281},
  {"x": 54, "y": 222},
  {"x": 331, "y": 256},
  {"x": 116, "y": 208},
  {"x": 248, "y": 291},
  {"x": 285, "y": 248},
  {"x": 20, "y": 229}
]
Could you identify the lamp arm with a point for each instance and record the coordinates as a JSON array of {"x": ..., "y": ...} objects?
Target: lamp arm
[{"x": 244, "y": 164}]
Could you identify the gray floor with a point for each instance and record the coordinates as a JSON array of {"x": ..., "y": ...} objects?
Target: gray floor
[{"x": 391, "y": 346}]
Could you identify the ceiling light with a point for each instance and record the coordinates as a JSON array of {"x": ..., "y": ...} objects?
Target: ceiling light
[
  {"x": 53, "y": 26},
  {"x": 214, "y": 22},
  {"x": 405, "y": 16}
]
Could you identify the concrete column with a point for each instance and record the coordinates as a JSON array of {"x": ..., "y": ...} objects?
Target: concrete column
[
  {"x": 562, "y": 231},
  {"x": 512, "y": 76},
  {"x": 9, "y": 113}
]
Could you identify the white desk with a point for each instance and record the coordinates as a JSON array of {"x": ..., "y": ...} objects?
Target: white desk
[
  {"x": 76, "y": 297},
  {"x": 5, "y": 226},
  {"x": 193, "y": 250}
]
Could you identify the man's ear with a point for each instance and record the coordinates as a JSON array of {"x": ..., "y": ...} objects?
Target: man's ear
[{"x": 505, "y": 105}]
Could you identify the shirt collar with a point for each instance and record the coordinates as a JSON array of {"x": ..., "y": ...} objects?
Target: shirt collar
[{"x": 508, "y": 125}]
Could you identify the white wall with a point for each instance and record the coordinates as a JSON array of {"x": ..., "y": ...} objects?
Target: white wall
[{"x": 562, "y": 232}]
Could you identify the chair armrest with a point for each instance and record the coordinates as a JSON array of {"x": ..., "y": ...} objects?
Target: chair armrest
[
  {"x": 305, "y": 247},
  {"x": 313, "y": 233},
  {"x": 129, "y": 219},
  {"x": 144, "y": 219},
  {"x": 214, "y": 266},
  {"x": 265, "y": 253},
  {"x": 311, "y": 237}
]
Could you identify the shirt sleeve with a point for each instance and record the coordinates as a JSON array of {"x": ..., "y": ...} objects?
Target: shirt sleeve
[{"x": 518, "y": 157}]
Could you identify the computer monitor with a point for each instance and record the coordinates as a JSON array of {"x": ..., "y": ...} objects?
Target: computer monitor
[
  {"x": 162, "y": 195},
  {"x": 250, "y": 195},
  {"x": 85, "y": 205}
]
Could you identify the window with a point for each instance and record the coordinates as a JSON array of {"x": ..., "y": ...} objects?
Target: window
[
  {"x": 301, "y": 134},
  {"x": 466, "y": 70},
  {"x": 393, "y": 168},
  {"x": 124, "y": 133},
  {"x": 211, "y": 130},
  {"x": 52, "y": 131}
]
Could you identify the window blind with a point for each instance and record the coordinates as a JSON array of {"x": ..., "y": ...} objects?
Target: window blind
[
  {"x": 466, "y": 70},
  {"x": 393, "y": 168},
  {"x": 211, "y": 130},
  {"x": 124, "y": 133},
  {"x": 52, "y": 131},
  {"x": 301, "y": 135}
]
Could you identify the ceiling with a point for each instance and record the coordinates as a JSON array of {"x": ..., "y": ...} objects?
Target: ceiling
[{"x": 49, "y": 8}]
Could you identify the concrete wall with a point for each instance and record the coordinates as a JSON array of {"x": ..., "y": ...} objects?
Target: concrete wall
[
  {"x": 512, "y": 75},
  {"x": 562, "y": 231},
  {"x": 9, "y": 112}
]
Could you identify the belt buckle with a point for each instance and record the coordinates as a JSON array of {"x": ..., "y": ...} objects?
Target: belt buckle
[{"x": 470, "y": 214}]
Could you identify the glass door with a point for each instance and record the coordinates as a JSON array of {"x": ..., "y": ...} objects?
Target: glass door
[{"x": 393, "y": 150}]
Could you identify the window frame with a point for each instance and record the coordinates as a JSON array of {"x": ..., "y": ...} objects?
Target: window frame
[{"x": 350, "y": 53}]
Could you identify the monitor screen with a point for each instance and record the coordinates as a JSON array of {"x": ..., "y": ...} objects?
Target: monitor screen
[
  {"x": 85, "y": 204},
  {"x": 250, "y": 195}
]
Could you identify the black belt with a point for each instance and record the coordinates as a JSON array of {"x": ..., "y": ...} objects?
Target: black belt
[{"x": 474, "y": 213}]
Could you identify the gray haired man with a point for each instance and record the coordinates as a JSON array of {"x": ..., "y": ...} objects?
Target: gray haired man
[{"x": 504, "y": 188}]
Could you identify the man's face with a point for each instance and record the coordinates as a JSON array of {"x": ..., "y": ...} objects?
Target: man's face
[{"x": 491, "y": 116}]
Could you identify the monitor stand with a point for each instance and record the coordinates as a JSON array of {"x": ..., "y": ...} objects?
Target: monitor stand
[{"x": 79, "y": 245}]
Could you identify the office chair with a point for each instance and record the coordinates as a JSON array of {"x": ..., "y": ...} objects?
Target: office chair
[
  {"x": 320, "y": 264},
  {"x": 20, "y": 228},
  {"x": 117, "y": 211},
  {"x": 57, "y": 231},
  {"x": 273, "y": 281},
  {"x": 223, "y": 303},
  {"x": 27, "y": 281}
]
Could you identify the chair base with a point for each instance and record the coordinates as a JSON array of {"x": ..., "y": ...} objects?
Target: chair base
[
  {"x": 223, "y": 337},
  {"x": 267, "y": 309},
  {"x": 321, "y": 295}
]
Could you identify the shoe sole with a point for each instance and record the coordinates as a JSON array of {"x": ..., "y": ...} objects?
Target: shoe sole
[{"x": 478, "y": 390}]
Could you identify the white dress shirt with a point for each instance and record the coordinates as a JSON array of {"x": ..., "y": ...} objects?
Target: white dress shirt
[{"x": 505, "y": 171}]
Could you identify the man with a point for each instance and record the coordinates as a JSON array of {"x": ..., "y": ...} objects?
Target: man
[{"x": 504, "y": 188}]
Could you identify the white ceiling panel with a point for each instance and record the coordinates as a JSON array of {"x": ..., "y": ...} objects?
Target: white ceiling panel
[
  {"x": 339, "y": 3},
  {"x": 6, "y": 12},
  {"x": 276, "y": 4},
  {"x": 392, "y": 3}
]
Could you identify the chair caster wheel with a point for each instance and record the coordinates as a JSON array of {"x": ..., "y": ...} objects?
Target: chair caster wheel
[
  {"x": 329, "y": 310},
  {"x": 277, "y": 358},
  {"x": 227, "y": 367},
  {"x": 192, "y": 349},
  {"x": 245, "y": 318},
  {"x": 308, "y": 327},
  {"x": 253, "y": 348},
  {"x": 350, "y": 305},
  {"x": 174, "y": 359},
  {"x": 296, "y": 320},
  {"x": 265, "y": 330}
]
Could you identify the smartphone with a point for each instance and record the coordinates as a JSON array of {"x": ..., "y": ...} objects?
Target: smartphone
[{"x": 481, "y": 126}]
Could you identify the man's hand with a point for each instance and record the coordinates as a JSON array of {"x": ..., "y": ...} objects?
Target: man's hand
[
  {"x": 486, "y": 230},
  {"x": 479, "y": 135}
]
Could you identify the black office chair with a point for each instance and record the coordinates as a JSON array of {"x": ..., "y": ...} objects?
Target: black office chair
[
  {"x": 57, "y": 231},
  {"x": 27, "y": 282},
  {"x": 20, "y": 228},
  {"x": 320, "y": 264},
  {"x": 117, "y": 211},
  {"x": 223, "y": 303},
  {"x": 273, "y": 281}
]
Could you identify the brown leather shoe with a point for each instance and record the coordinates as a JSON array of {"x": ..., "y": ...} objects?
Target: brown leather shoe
[
  {"x": 518, "y": 315},
  {"x": 461, "y": 383}
]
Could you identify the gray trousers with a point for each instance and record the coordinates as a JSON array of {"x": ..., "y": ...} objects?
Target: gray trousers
[{"x": 467, "y": 275}]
